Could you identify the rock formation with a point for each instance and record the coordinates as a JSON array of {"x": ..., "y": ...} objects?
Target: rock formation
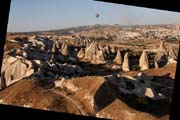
[
  {"x": 91, "y": 51},
  {"x": 118, "y": 58},
  {"x": 55, "y": 51},
  {"x": 73, "y": 70},
  {"x": 3, "y": 81},
  {"x": 15, "y": 69},
  {"x": 113, "y": 49},
  {"x": 162, "y": 47},
  {"x": 107, "y": 48},
  {"x": 81, "y": 53},
  {"x": 99, "y": 58},
  {"x": 161, "y": 57},
  {"x": 100, "y": 46},
  {"x": 128, "y": 85},
  {"x": 125, "y": 65},
  {"x": 143, "y": 61},
  {"x": 149, "y": 93},
  {"x": 144, "y": 78},
  {"x": 19, "y": 52},
  {"x": 65, "y": 50},
  {"x": 172, "y": 53}
]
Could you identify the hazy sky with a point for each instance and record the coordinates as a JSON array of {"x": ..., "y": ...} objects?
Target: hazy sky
[{"x": 34, "y": 15}]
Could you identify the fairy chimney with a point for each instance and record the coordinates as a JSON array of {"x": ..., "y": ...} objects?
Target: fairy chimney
[
  {"x": 91, "y": 51},
  {"x": 3, "y": 81},
  {"x": 81, "y": 53},
  {"x": 100, "y": 46},
  {"x": 113, "y": 49},
  {"x": 118, "y": 58},
  {"x": 161, "y": 56},
  {"x": 55, "y": 51},
  {"x": 162, "y": 48},
  {"x": 65, "y": 50},
  {"x": 143, "y": 61},
  {"x": 172, "y": 53},
  {"x": 107, "y": 48},
  {"x": 100, "y": 59},
  {"x": 125, "y": 65}
]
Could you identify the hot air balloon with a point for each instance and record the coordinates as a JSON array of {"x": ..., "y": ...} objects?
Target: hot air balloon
[{"x": 97, "y": 15}]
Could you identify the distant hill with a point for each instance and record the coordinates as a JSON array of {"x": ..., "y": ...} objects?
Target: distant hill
[
  {"x": 66, "y": 31},
  {"x": 59, "y": 31}
]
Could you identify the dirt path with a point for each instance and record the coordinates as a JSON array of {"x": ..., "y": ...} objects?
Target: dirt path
[{"x": 79, "y": 107}]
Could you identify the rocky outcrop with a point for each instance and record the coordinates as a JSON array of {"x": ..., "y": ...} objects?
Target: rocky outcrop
[
  {"x": 140, "y": 86},
  {"x": 100, "y": 46},
  {"x": 15, "y": 69},
  {"x": 107, "y": 48},
  {"x": 3, "y": 81},
  {"x": 125, "y": 65},
  {"x": 55, "y": 51},
  {"x": 118, "y": 58},
  {"x": 149, "y": 93},
  {"x": 51, "y": 71},
  {"x": 113, "y": 49},
  {"x": 73, "y": 70},
  {"x": 162, "y": 47},
  {"x": 172, "y": 53},
  {"x": 38, "y": 43},
  {"x": 161, "y": 57},
  {"x": 143, "y": 62},
  {"x": 65, "y": 50},
  {"x": 99, "y": 58},
  {"x": 81, "y": 53},
  {"x": 91, "y": 51}
]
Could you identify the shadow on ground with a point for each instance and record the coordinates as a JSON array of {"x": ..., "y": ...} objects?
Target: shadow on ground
[{"x": 107, "y": 93}]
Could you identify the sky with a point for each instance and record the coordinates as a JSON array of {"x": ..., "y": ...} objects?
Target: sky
[{"x": 37, "y": 15}]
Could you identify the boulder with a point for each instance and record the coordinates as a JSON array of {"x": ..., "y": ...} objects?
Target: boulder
[
  {"x": 38, "y": 62},
  {"x": 171, "y": 60},
  {"x": 115, "y": 67},
  {"x": 149, "y": 93}
]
